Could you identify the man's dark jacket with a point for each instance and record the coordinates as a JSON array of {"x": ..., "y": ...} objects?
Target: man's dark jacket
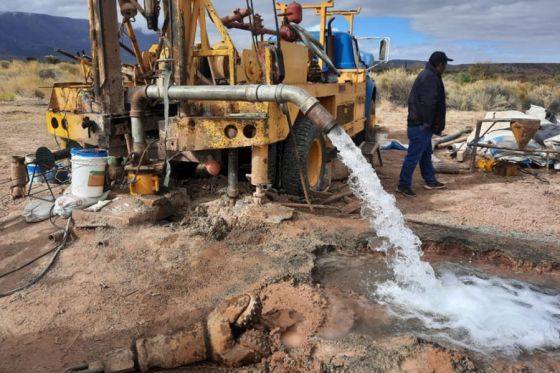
[{"x": 426, "y": 103}]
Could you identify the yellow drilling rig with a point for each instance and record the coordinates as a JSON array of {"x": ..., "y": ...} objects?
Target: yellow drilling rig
[{"x": 189, "y": 98}]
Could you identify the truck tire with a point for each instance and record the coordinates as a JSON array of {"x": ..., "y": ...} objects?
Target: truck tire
[{"x": 312, "y": 151}]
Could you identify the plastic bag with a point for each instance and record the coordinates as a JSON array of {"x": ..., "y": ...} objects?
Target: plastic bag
[
  {"x": 64, "y": 205},
  {"x": 37, "y": 210}
]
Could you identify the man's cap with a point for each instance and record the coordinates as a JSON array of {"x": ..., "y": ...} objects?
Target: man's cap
[{"x": 439, "y": 57}]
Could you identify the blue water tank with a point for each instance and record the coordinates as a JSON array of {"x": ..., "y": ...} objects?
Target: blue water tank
[{"x": 343, "y": 56}]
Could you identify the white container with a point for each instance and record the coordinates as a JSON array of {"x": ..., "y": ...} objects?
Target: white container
[{"x": 88, "y": 172}]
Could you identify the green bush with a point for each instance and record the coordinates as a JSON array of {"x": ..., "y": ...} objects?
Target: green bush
[{"x": 7, "y": 96}]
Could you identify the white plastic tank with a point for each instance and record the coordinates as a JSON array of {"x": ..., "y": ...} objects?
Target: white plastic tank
[{"x": 88, "y": 172}]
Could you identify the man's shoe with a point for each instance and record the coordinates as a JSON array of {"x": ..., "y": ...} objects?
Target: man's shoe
[
  {"x": 434, "y": 185},
  {"x": 406, "y": 190}
]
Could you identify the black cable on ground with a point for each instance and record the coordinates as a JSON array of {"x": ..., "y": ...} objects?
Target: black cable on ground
[
  {"x": 535, "y": 175},
  {"x": 57, "y": 251},
  {"x": 28, "y": 263},
  {"x": 51, "y": 215}
]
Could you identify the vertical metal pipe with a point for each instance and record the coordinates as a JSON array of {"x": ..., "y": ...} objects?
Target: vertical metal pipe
[
  {"x": 94, "y": 54},
  {"x": 259, "y": 165},
  {"x": 138, "y": 135},
  {"x": 475, "y": 145},
  {"x": 178, "y": 43},
  {"x": 233, "y": 173}
]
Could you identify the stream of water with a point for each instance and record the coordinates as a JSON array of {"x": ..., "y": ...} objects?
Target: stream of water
[{"x": 484, "y": 313}]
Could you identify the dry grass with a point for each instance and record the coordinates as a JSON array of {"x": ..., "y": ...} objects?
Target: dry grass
[
  {"x": 468, "y": 91},
  {"x": 33, "y": 79}
]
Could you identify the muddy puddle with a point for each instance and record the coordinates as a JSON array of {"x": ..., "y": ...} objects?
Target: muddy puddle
[{"x": 350, "y": 282}]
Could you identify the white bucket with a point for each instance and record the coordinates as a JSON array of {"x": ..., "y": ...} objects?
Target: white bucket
[{"x": 88, "y": 172}]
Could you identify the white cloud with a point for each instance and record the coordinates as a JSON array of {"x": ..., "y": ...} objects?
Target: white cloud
[{"x": 509, "y": 30}]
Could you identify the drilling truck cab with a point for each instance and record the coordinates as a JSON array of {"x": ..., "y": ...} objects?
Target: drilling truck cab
[{"x": 204, "y": 101}]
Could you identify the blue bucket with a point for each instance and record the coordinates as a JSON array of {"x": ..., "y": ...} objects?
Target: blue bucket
[{"x": 39, "y": 178}]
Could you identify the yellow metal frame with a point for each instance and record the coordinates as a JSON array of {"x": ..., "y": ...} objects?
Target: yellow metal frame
[
  {"x": 348, "y": 14},
  {"x": 66, "y": 106},
  {"x": 197, "y": 15}
]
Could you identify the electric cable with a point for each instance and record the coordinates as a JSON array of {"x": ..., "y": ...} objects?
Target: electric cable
[
  {"x": 142, "y": 159},
  {"x": 34, "y": 280}
]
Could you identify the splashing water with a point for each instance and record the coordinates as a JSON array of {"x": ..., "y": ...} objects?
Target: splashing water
[{"x": 486, "y": 314}]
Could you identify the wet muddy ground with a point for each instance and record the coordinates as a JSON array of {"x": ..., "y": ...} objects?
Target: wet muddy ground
[{"x": 315, "y": 273}]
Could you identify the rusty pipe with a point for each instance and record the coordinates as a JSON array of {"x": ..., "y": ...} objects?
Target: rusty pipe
[
  {"x": 138, "y": 100},
  {"x": 308, "y": 104},
  {"x": 236, "y": 16}
]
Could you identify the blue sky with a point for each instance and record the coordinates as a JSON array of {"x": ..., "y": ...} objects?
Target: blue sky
[{"x": 468, "y": 31}]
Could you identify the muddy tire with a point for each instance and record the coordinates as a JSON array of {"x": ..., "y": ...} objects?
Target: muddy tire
[{"x": 312, "y": 151}]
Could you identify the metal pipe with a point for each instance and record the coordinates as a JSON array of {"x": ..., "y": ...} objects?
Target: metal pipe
[
  {"x": 450, "y": 137},
  {"x": 138, "y": 136},
  {"x": 233, "y": 173},
  {"x": 138, "y": 100},
  {"x": 280, "y": 93},
  {"x": 94, "y": 54}
]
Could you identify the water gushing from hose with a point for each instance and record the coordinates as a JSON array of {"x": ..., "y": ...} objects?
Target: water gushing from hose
[{"x": 484, "y": 313}]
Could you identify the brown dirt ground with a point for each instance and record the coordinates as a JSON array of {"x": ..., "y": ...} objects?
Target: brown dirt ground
[{"x": 161, "y": 277}]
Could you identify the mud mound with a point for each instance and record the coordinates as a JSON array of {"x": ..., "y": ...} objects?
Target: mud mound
[{"x": 294, "y": 313}]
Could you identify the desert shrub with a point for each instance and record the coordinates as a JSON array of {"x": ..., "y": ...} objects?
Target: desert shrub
[
  {"x": 39, "y": 93},
  {"x": 7, "y": 96},
  {"x": 546, "y": 96},
  {"x": 24, "y": 78},
  {"x": 53, "y": 60},
  {"x": 5, "y": 64},
  {"x": 465, "y": 77},
  {"x": 395, "y": 85},
  {"x": 47, "y": 74},
  {"x": 71, "y": 68},
  {"x": 466, "y": 90},
  {"x": 482, "y": 71},
  {"x": 483, "y": 95}
]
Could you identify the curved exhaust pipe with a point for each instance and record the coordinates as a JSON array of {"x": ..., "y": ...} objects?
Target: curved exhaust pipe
[{"x": 280, "y": 93}]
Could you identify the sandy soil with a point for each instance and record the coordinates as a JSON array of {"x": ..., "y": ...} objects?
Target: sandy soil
[{"x": 158, "y": 278}]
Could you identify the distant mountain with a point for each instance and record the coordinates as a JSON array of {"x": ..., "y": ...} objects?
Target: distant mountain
[{"x": 26, "y": 35}]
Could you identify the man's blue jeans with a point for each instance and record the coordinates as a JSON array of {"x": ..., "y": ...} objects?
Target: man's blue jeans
[{"x": 419, "y": 151}]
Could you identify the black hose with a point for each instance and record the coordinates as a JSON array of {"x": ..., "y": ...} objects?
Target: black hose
[
  {"x": 142, "y": 159},
  {"x": 51, "y": 215},
  {"x": 28, "y": 263},
  {"x": 34, "y": 280}
]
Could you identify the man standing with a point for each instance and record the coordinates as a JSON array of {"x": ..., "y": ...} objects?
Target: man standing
[{"x": 426, "y": 117}]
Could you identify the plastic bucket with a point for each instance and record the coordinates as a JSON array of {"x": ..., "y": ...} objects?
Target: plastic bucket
[
  {"x": 33, "y": 168},
  {"x": 88, "y": 172}
]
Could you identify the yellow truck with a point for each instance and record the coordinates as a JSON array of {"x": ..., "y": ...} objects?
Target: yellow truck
[{"x": 267, "y": 106}]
